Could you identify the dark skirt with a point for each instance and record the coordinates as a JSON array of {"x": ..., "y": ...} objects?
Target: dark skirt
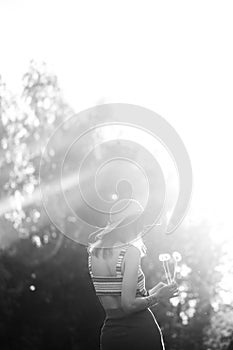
[{"x": 137, "y": 331}]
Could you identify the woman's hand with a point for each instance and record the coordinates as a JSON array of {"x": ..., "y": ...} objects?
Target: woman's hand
[{"x": 167, "y": 291}]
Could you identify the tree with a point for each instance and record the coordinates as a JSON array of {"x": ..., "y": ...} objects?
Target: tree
[
  {"x": 186, "y": 319},
  {"x": 26, "y": 123}
]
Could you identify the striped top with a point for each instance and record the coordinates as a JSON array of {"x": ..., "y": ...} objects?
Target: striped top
[{"x": 112, "y": 285}]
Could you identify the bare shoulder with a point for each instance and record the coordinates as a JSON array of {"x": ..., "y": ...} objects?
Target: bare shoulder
[
  {"x": 131, "y": 261},
  {"x": 132, "y": 253}
]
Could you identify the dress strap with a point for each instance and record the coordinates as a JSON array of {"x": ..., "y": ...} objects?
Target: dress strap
[
  {"x": 89, "y": 264},
  {"x": 119, "y": 262}
]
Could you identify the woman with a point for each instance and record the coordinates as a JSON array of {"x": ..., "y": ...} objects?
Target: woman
[{"x": 119, "y": 282}]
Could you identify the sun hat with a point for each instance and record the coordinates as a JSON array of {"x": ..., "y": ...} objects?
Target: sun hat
[{"x": 127, "y": 210}]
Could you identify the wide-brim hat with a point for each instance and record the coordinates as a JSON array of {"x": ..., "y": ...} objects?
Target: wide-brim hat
[{"x": 122, "y": 213}]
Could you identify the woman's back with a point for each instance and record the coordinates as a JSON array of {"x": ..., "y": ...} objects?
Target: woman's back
[
  {"x": 107, "y": 272},
  {"x": 106, "y": 267}
]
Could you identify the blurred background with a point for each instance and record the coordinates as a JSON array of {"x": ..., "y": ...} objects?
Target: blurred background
[{"x": 58, "y": 58}]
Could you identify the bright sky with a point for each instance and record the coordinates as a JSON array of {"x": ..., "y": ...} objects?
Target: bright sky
[{"x": 174, "y": 57}]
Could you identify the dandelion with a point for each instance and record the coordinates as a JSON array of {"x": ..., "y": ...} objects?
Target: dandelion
[
  {"x": 177, "y": 257},
  {"x": 164, "y": 258}
]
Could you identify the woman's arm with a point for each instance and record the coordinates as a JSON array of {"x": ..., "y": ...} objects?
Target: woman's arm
[{"x": 129, "y": 302}]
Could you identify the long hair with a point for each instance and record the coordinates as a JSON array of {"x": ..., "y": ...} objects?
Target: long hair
[{"x": 103, "y": 247}]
